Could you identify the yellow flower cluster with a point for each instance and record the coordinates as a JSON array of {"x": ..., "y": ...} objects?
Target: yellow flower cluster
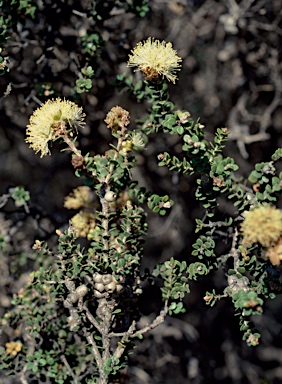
[
  {"x": 155, "y": 58},
  {"x": 78, "y": 198},
  {"x": 264, "y": 225},
  {"x": 13, "y": 347},
  {"x": 43, "y": 120},
  {"x": 83, "y": 223}
]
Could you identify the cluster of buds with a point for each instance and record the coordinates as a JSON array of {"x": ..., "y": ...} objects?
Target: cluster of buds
[
  {"x": 190, "y": 141},
  {"x": 127, "y": 147},
  {"x": 13, "y": 347},
  {"x": 105, "y": 284},
  {"x": 235, "y": 284},
  {"x": 218, "y": 182},
  {"x": 183, "y": 116},
  {"x": 75, "y": 295}
]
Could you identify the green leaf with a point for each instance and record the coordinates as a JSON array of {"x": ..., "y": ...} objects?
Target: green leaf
[{"x": 116, "y": 311}]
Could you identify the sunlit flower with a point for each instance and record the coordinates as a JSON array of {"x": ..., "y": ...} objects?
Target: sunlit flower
[
  {"x": 83, "y": 223},
  {"x": 262, "y": 225},
  {"x": 45, "y": 119},
  {"x": 117, "y": 118},
  {"x": 13, "y": 347},
  {"x": 155, "y": 58},
  {"x": 78, "y": 198}
]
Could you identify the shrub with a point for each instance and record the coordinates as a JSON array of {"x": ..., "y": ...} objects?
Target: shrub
[{"x": 77, "y": 320}]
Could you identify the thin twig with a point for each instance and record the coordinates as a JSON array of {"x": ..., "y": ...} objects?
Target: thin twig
[
  {"x": 92, "y": 319},
  {"x": 64, "y": 360},
  {"x": 95, "y": 351}
]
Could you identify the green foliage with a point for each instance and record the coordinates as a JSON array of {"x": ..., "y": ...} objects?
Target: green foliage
[
  {"x": 140, "y": 7},
  {"x": 84, "y": 83},
  {"x": 92, "y": 43},
  {"x": 10, "y": 11},
  {"x": 173, "y": 274},
  {"x": 20, "y": 195}
]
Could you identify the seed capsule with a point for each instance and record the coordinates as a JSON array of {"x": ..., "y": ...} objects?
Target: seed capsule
[
  {"x": 99, "y": 286},
  {"x": 98, "y": 294},
  {"x": 110, "y": 196},
  {"x": 97, "y": 277},
  {"x": 119, "y": 287},
  {"x": 110, "y": 287},
  {"x": 107, "y": 279},
  {"x": 73, "y": 297},
  {"x": 81, "y": 290}
]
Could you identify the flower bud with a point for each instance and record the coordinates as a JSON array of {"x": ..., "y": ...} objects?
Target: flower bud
[{"x": 70, "y": 285}]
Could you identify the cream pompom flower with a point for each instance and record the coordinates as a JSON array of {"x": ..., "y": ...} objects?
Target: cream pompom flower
[
  {"x": 155, "y": 58},
  {"x": 83, "y": 223},
  {"x": 44, "y": 120},
  {"x": 262, "y": 225},
  {"x": 80, "y": 197}
]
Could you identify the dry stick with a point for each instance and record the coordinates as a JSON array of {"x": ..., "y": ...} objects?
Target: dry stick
[
  {"x": 105, "y": 334},
  {"x": 131, "y": 333},
  {"x": 64, "y": 360},
  {"x": 266, "y": 116},
  {"x": 97, "y": 356},
  {"x": 22, "y": 376},
  {"x": 92, "y": 319},
  {"x": 234, "y": 252}
]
